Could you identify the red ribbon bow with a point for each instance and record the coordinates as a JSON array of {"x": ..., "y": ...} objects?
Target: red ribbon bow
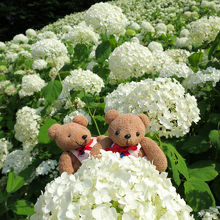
[
  {"x": 86, "y": 147},
  {"x": 120, "y": 150}
]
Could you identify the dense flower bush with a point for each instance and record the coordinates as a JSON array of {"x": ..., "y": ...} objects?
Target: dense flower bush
[{"x": 157, "y": 57}]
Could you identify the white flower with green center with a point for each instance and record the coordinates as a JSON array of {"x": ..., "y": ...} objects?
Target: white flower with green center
[
  {"x": 106, "y": 19},
  {"x": 171, "y": 111},
  {"x": 112, "y": 188}
]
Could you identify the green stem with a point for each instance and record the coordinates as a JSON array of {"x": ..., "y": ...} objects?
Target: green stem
[{"x": 158, "y": 138}]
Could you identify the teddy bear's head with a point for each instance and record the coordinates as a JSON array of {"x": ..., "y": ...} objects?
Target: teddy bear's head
[
  {"x": 126, "y": 129},
  {"x": 72, "y": 135}
]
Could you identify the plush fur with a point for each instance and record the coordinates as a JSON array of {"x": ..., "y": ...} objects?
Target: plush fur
[
  {"x": 69, "y": 137},
  {"x": 129, "y": 129}
]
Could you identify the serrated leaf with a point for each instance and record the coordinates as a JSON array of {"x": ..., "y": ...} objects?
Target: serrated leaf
[
  {"x": 52, "y": 91},
  {"x": 81, "y": 52},
  {"x": 23, "y": 207},
  {"x": 14, "y": 184},
  {"x": 195, "y": 58},
  {"x": 196, "y": 145},
  {"x": 176, "y": 161},
  {"x": 43, "y": 137},
  {"x": 103, "y": 51},
  {"x": 214, "y": 137},
  {"x": 203, "y": 170},
  {"x": 198, "y": 194}
]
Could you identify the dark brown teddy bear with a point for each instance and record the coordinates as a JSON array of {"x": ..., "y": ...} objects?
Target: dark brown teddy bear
[
  {"x": 75, "y": 138},
  {"x": 126, "y": 136}
]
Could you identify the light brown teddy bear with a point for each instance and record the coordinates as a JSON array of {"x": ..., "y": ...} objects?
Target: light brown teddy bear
[
  {"x": 126, "y": 136},
  {"x": 75, "y": 138}
]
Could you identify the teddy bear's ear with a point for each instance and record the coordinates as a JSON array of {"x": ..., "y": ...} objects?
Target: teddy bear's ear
[
  {"x": 80, "y": 119},
  {"x": 52, "y": 131},
  {"x": 144, "y": 119},
  {"x": 111, "y": 115}
]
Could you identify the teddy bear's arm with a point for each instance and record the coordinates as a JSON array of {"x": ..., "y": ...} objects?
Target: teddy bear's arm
[
  {"x": 103, "y": 143},
  {"x": 68, "y": 163},
  {"x": 154, "y": 154}
]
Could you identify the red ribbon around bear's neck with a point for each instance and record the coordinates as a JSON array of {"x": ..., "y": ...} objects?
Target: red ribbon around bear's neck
[
  {"x": 120, "y": 150},
  {"x": 86, "y": 147}
]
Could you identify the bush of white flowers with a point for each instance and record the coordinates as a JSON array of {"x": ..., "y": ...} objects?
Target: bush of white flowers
[{"x": 112, "y": 188}]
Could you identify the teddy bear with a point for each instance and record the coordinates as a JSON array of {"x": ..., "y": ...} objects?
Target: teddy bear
[
  {"x": 126, "y": 135},
  {"x": 75, "y": 138}
]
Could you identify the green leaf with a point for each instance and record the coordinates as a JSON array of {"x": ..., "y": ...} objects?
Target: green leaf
[
  {"x": 23, "y": 207},
  {"x": 196, "y": 145},
  {"x": 203, "y": 170},
  {"x": 198, "y": 194},
  {"x": 52, "y": 91},
  {"x": 176, "y": 161},
  {"x": 195, "y": 58},
  {"x": 81, "y": 52},
  {"x": 214, "y": 46},
  {"x": 214, "y": 136},
  {"x": 103, "y": 51},
  {"x": 43, "y": 137},
  {"x": 216, "y": 188},
  {"x": 14, "y": 184}
]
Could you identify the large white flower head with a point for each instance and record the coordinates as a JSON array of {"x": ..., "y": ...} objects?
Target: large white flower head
[
  {"x": 112, "y": 188},
  {"x": 48, "y": 49},
  {"x": 5, "y": 146},
  {"x": 17, "y": 161},
  {"x": 106, "y": 19},
  {"x": 31, "y": 84},
  {"x": 20, "y": 38},
  {"x": 27, "y": 127},
  {"x": 82, "y": 34},
  {"x": 30, "y": 33},
  {"x": 39, "y": 64},
  {"x": 178, "y": 55},
  {"x": 80, "y": 80},
  {"x": 68, "y": 118},
  {"x": 171, "y": 111},
  {"x": 2, "y": 46},
  {"x": 130, "y": 60},
  {"x": 204, "y": 29}
]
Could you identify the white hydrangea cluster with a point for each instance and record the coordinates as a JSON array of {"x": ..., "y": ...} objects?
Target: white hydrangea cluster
[
  {"x": 82, "y": 34},
  {"x": 30, "y": 33},
  {"x": 147, "y": 27},
  {"x": 31, "y": 84},
  {"x": 204, "y": 29},
  {"x": 155, "y": 46},
  {"x": 3, "y": 85},
  {"x": 68, "y": 118},
  {"x": 80, "y": 80},
  {"x": 47, "y": 35},
  {"x": 201, "y": 78},
  {"x": 39, "y": 64},
  {"x": 46, "y": 167},
  {"x": 17, "y": 160},
  {"x": 48, "y": 49},
  {"x": 27, "y": 127},
  {"x": 2, "y": 46},
  {"x": 20, "y": 38},
  {"x": 106, "y": 19},
  {"x": 130, "y": 60},
  {"x": 112, "y": 188},
  {"x": 178, "y": 55},
  {"x": 171, "y": 111},
  {"x": 213, "y": 213},
  {"x": 5, "y": 146}
]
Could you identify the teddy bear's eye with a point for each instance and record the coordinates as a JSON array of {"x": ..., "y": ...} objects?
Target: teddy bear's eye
[
  {"x": 69, "y": 135},
  {"x": 117, "y": 132},
  {"x": 137, "y": 134}
]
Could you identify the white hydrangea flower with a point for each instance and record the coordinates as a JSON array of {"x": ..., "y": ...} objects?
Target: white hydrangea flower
[
  {"x": 3, "y": 85},
  {"x": 147, "y": 27},
  {"x": 20, "y": 38},
  {"x": 181, "y": 70},
  {"x": 200, "y": 78},
  {"x": 25, "y": 54},
  {"x": 47, "y": 35},
  {"x": 161, "y": 27},
  {"x": 183, "y": 42},
  {"x": 5, "y": 146},
  {"x": 39, "y": 64},
  {"x": 178, "y": 55},
  {"x": 11, "y": 57},
  {"x": 184, "y": 33},
  {"x": 170, "y": 28},
  {"x": 82, "y": 34},
  {"x": 46, "y": 167},
  {"x": 171, "y": 111},
  {"x": 11, "y": 90},
  {"x": 213, "y": 213},
  {"x": 77, "y": 103},
  {"x": 153, "y": 46},
  {"x": 106, "y": 19},
  {"x": 2, "y": 46},
  {"x": 17, "y": 161},
  {"x": 48, "y": 48},
  {"x": 112, "y": 188},
  {"x": 27, "y": 127},
  {"x": 130, "y": 60},
  {"x": 66, "y": 28},
  {"x": 68, "y": 118},
  {"x": 31, "y": 84},
  {"x": 135, "y": 26},
  {"x": 30, "y": 33},
  {"x": 80, "y": 80}
]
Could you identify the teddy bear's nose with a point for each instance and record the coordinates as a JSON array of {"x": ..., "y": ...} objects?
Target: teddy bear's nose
[
  {"x": 127, "y": 136},
  {"x": 84, "y": 137}
]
